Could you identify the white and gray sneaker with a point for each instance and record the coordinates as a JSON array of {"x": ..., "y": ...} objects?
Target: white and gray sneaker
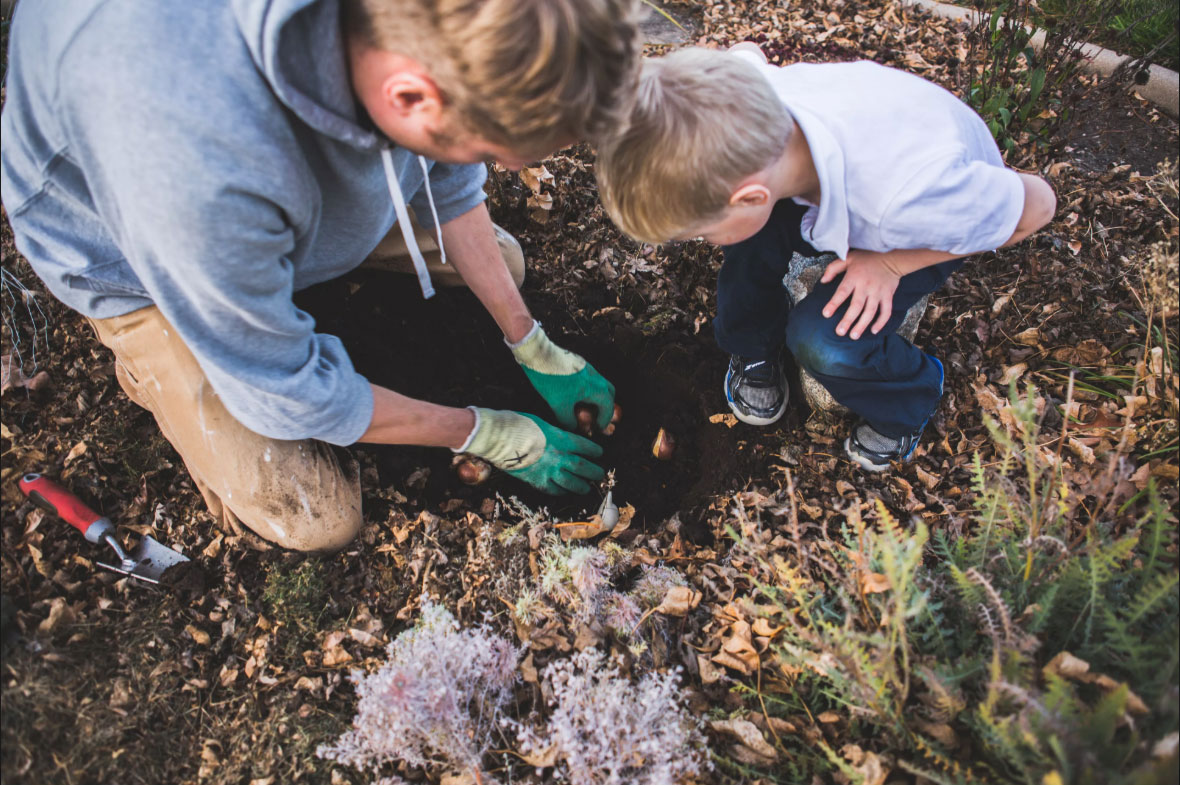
[
  {"x": 874, "y": 451},
  {"x": 756, "y": 390}
]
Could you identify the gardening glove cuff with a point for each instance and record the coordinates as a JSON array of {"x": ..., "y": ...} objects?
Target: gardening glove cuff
[
  {"x": 528, "y": 448},
  {"x": 563, "y": 378},
  {"x": 507, "y": 440}
]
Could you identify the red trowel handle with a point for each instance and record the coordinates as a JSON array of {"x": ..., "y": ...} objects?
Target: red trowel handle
[{"x": 46, "y": 494}]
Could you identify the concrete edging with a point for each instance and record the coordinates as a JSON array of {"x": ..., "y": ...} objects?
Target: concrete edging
[{"x": 1163, "y": 84}]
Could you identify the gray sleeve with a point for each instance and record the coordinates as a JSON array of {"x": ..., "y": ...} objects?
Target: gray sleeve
[
  {"x": 203, "y": 214},
  {"x": 455, "y": 188}
]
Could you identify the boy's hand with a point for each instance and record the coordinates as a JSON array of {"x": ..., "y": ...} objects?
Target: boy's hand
[{"x": 870, "y": 281}]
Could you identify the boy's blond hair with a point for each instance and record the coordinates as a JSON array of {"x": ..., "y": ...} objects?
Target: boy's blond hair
[
  {"x": 702, "y": 121},
  {"x": 526, "y": 74}
]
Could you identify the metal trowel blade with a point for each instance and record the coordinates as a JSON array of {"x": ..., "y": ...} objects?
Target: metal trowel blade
[{"x": 152, "y": 558}]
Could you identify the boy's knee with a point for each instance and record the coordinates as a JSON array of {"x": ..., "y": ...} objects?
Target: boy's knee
[{"x": 816, "y": 346}]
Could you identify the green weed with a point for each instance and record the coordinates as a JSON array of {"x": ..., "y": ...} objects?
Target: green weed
[{"x": 1038, "y": 646}]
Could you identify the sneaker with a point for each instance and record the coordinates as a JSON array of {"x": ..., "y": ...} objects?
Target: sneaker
[
  {"x": 874, "y": 451},
  {"x": 756, "y": 390}
]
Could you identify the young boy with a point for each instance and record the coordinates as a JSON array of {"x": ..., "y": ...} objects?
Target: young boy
[{"x": 892, "y": 174}]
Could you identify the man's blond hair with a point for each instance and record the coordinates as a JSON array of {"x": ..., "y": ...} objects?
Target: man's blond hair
[
  {"x": 702, "y": 121},
  {"x": 526, "y": 74}
]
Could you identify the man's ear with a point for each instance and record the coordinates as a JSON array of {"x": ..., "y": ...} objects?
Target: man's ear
[
  {"x": 750, "y": 195},
  {"x": 412, "y": 93}
]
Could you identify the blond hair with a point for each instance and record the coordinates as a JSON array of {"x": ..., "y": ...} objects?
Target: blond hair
[
  {"x": 526, "y": 74},
  {"x": 702, "y": 121}
]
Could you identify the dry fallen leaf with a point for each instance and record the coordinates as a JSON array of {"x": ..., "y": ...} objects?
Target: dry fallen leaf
[
  {"x": 871, "y": 583},
  {"x": 1068, "y": 665},
  {"x": 581, "y": 530},
  {"x": 76, "y": 451},
  {"x": 748, "y": 734},
  {"x": 198, "y": 635},
  {"x": 709, "y": 673},
  {"x": 1030, "y": 337},
  {"x": 60, "y": 614},
  {"x": 872, "y": 768},
  {"x": 334, "y": 652},
  {"x": 543, "y": 758},
  {"x": 1013, "y": 373},
  {"x": 728, "y": 418},
  {"x": 535, "y": 176},
  {"x": 737, "y": 651},
  {"x": 626, "y": 515},
  {"x": 678, "y": 601}
]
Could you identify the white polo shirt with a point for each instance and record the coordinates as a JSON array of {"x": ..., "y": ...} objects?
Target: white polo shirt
[{"x": 902, "y": 163}]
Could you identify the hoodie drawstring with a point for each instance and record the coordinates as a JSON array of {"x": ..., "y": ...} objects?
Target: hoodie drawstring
[{"x": 403, "y": 219}]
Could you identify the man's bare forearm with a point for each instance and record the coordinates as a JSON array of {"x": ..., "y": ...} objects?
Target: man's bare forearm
[
  {"x": 401, "y": 420},
  {"x": 470, "y": 241}
]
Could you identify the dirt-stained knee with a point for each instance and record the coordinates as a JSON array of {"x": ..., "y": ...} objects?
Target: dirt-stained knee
[{"x": 314, "y": 505}]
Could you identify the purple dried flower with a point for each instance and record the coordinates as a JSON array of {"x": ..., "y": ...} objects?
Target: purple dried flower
[
  {"x": 588, "y": 572},
  {"x": 610, "y": 730},
  {"x": 435, "y": 700},
  {"x": 651, "y": 588},
  {"x": 621, "y": 613}
]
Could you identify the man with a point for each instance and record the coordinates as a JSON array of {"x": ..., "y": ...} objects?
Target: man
[{"x": 175, "y": 171}]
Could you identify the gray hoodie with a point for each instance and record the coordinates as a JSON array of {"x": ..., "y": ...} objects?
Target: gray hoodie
[{"x": 209, "y": 158}]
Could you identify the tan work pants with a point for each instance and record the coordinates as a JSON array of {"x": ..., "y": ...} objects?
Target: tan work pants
[{"x": 303, "y": 494}]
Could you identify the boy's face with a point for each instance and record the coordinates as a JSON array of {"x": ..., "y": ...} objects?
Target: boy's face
[{"x": 735, "y": 224}]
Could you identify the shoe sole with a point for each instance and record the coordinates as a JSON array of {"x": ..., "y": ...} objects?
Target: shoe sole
[
  {"x": 872, "y": 466},
  {"x": 753, "y": 420},
  {"x": 863, "y": 462}
]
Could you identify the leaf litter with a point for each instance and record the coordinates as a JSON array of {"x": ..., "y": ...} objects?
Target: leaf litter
[{"x": 103, "y": 676}]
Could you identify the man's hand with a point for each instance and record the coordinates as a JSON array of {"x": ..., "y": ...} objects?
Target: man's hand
[
  {"x": 564, "y": 379},
  {"x": 528, "y": 448},
  {"x": 868, "y": 286}
]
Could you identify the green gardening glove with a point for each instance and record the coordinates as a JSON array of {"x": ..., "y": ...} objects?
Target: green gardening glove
[
  {"x": 563, "y": 379},
  {"x": 528, "y": 448}
]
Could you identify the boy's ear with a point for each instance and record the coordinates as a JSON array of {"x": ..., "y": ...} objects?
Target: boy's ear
[
  {"x": 750, "y": 195},
  {"x": 412, "y": 93}
]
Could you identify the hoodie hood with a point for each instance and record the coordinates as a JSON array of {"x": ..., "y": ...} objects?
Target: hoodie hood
[
  {"x": 210, "y": 159},
  {"x": 280, "y": 34}
]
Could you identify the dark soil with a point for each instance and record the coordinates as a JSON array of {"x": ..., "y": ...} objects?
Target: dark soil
[
  {"x": 1113, "y": 130},
  {"x": 448, "y": 350},
  {"x": 106, "y": 680}
]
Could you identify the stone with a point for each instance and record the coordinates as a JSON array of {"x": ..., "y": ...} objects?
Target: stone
[
  {"x": 659, "y": 29},
  {"x": 803, "y": 273}
]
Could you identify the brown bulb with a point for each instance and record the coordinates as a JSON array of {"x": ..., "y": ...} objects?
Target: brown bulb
[
  {"x": 471, "y": 470},
  {"x": 585, "y": 417},
  {"x": 663, "y": 446},
  {"x": 615, "y": 417}
]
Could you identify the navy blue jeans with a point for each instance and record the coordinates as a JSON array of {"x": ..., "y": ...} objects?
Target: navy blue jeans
[{"x": 883, "y": 378}]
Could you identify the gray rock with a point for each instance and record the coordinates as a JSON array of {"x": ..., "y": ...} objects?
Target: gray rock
[
  {"x": 657, "y": 29},
  {"x": 803, "y": 273}
]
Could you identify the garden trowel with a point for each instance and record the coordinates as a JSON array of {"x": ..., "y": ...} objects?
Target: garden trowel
[{"x": 148, "y": 561}]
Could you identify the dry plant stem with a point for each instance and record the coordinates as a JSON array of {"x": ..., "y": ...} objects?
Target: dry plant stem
[
  {"x": 796, "y": 535},
  {"x": 765, "y": 714},
  {"x": 1057, "y": 464}
]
